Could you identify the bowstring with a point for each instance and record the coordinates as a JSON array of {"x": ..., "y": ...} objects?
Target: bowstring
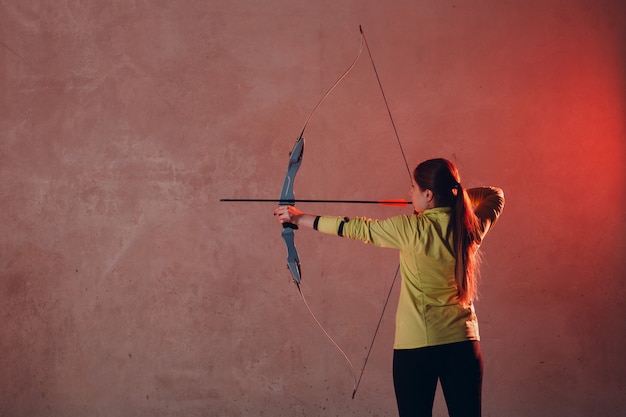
[
  {"x": 363, "y": 41},
  {"x": 406, "y": 164},
  {"x": 380, "y": 320},
  {"x": 393, "y": 124}
]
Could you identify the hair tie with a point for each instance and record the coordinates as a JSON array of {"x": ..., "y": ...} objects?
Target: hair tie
[{"x": 456, "y": 188}]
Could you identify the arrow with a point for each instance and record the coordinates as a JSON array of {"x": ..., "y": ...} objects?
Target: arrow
[{"x": 391, "y": 203}]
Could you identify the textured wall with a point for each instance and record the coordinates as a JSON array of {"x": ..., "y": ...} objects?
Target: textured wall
[{"x": 127, "y": 288}]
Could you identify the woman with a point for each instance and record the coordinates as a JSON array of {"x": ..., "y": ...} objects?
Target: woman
[{"x": 437, "y": 335}]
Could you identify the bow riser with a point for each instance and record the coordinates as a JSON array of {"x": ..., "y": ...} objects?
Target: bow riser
[{"x": 287, "y": 197}]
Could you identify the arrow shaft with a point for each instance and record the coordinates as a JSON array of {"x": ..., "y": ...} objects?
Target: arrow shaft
[{"x": 394, "y": 202}]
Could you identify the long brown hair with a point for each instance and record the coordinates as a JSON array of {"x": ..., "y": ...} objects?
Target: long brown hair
[{"x": 442, "y": 178}]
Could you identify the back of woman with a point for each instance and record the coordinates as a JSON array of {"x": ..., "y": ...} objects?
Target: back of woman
[{"x": 437, "y": 337}]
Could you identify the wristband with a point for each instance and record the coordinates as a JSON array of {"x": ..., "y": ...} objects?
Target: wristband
[
  {"x": 315, "y": 222},
  {"x": 343, "y": 222}
]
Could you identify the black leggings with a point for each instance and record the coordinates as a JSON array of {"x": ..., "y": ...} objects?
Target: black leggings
[{"x": 459, "y": 367}]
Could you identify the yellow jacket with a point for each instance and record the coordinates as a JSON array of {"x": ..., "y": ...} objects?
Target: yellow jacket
[{"x": 429, "y": 312}]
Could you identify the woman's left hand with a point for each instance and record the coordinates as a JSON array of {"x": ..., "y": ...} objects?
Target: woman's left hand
[{"x": 288, "y": 214}]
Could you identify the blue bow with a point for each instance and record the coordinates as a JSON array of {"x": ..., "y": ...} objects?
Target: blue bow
[{"x": 287, "y": 198}]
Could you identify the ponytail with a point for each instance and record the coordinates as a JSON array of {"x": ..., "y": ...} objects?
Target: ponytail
[
  {"x": 442, "y": 178},
  {"x": 465, "y": 229}
]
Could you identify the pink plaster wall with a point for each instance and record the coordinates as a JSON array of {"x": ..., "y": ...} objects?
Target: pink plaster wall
[{"x": 127, "y": 288}]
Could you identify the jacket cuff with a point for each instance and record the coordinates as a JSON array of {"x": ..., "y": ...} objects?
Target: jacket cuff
[{"x": 329, "y": 224}]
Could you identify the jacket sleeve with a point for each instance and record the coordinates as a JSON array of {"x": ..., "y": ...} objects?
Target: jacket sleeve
[
  {"x": 488, "y": 203},
  {"x": 393, "y": 232}
]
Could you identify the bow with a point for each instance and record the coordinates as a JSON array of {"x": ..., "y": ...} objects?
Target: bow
[{"x": 287, "y": 197}]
